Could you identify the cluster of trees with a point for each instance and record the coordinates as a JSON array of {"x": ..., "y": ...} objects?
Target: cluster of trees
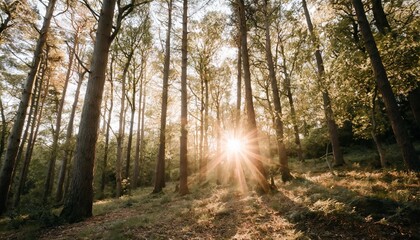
[{"x": 289, "y": 76}]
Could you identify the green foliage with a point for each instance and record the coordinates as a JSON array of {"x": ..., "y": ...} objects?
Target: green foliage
[{"x": 315, "y": 144}]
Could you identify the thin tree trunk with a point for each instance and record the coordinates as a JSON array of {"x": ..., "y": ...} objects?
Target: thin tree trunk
[
  {"x": 130, "y": 135},
  {"x": 206, "y": 126},
  {"x": 201, "y": 142},
  {"x": 398, "y": 125},
  {"x": 121, "y": 131},
  {"x": 78, "y": 204},
  {"x": 36, "y": 122},
  {"x": 106, "y": 148},
  {"x": 219, "y": 144},
  {"x": 239, "y": 84},
  {"x": 142, "y": 143},
  {"x": 3, "y": 129},
  {"x": 288, "y": 88},
  {"x": 16, "y": 131},
  {"x": 281, "y": 148},
  {"x": 138, "y": 140},
  {"x": 183, "y": 162},
  {"x": 140, "y": 122},
  {"x": 24, "y": 138},
  {"x": 259, "y": 173},
  {"x": 378, "y": 143},
  {"x": 160, "y": 165},
  {"x": 132, "y": 105},
  {"x": 329, "y": 114},
  {"x": 380, "y": 17},
  {"x": 68, "y": 149},
  {"x": 54, "y": 150}
]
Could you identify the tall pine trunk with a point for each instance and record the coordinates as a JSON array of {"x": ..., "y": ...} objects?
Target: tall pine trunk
[
  {"x": 139, "y": 142},
  {"x": 288, "y": 89},
  {"x": 54, "y": 150},
  {"x": 398, "y": 125},
  {"x": 160, "y": 164},
  {"x": 3, "y": 129},
  {"x": 16, "y": 131},
  {"x": 121, "y": 131},
  {"x": 329, "y": 114},
  {"x": 183, "y": 156},
  {"x": 107, "y": 132},
  {"x": 42, "y": 92},
  {"x": 79, "y": 201},
  {"x": 68, "y": 148},
  {"x": 281, "y": 148},
  {"x": 259, "y": 173},
  {"x": 130, "y": 134}
]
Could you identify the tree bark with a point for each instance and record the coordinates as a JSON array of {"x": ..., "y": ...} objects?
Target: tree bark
[
  {"x": 107, "y": 132},
  {"x": 183, "y": 156},
  {"x": 78, "y": 204},
  {"x": 288, "y": 89},
  {"x": 140, "y": 122},
  {"x": 54, "y": 150},
  {"x": 160, "y": 165},
  {"x": 3, "y": 129},
  {"x": 378, "y": 143},
  {"x": 121, "y": 131},
  {"x": 130, "y": 134},
  {"x": 398, "y": 125},
  {"x": 68, "y": 149},
  {"x": 259, "y": 173},
  {"x": 329, "y": 114},
  {"x": 16, "y": 131},
  {"x": 278, "y": 122},
  {"x": 380, "y": 17},
  {"x": 42, "y": 92},
  {"x": 239, "y": 84}
]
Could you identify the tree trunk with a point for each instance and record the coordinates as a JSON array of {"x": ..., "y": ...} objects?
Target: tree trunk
[
  {"x": 68, "y": 149},
  {"x": 107, "y": 132},
  {"x": 278, "y": 122},
  {"x": 398, "y": 125},
  {"x": 54, "y": 150},
  {"x": 329, "y": 114},
  {"x": 121, "y": 131},
  {"x": 288, "y": 88},
  {"x": 259, "y": 173},
  {"x": 130, "y": 135},
  {"x": 183, "y": 156},
  {"x": 142, "y": 144},
  {"x": 239, "y": 84},
  {"x": 380, "y": 17},
  {"x": 78, "y": 204},
  {"x": 381, "y": 22},
  {"x": 378, "y": 143},
  {"x": 42, "y": 92},
  {"x": 206, "y": 125},
  {"x": 139, "y": 143},
  {"x": 16, "y": 131},
  {"x": 3, "y": 129},
  {"x": 201, "y": 143},
  {"x": 160, "y": 165}
]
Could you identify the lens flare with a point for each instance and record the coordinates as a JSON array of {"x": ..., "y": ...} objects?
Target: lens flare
[{"x": 235, "y": 146}]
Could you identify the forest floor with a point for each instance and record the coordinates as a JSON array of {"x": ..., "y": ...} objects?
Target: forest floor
[{"x": 353, "y": 202}]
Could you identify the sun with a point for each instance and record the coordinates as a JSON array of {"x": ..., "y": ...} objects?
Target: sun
[{"x": 235, "y": 145}]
